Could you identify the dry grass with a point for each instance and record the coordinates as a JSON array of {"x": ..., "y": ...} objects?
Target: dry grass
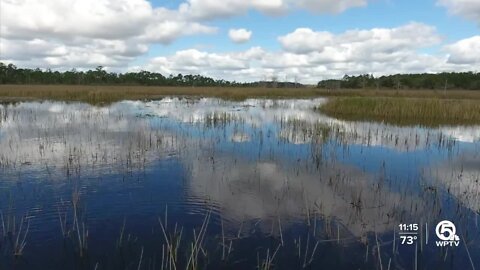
[
  {"x": 108, "y": 94},
  {"x": 405, "y": 111},
  {"x": 404, "y": 107}
]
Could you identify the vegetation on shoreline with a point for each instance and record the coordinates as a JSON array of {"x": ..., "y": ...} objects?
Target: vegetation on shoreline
[
  {"x": 433, "y": 99},
  {"x": 107, "y": 94},
  {"x": 439, "y": 81},
  {"x": 404, "y": 111},
  {"x": 10, "y": 74},
  {"x": 104, "y": 94}
]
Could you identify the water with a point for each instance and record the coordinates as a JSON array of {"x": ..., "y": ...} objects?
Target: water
[{"x": 240, "y": 185}]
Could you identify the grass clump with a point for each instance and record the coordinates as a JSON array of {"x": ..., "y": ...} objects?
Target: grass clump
[{"x": 405, "y": 111}]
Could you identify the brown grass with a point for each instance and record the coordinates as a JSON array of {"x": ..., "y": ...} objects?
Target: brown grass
[
  {"x": 108, "y": 94},
  {"x": 405, "y": 111},
  {"x": 426, "y": 107}
]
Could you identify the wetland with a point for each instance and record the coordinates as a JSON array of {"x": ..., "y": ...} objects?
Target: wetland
[{"x": 196, "y": 183}]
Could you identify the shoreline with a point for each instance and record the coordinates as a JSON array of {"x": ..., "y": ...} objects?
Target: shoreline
[{"x": 398, "y": 107}]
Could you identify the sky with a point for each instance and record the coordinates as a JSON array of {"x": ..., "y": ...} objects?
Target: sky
[{"x": 244, "y": 40}]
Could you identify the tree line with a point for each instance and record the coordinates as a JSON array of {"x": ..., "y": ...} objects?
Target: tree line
[
  {"x": 10, "y": 74},
  {"x": 445, "y": 80}
]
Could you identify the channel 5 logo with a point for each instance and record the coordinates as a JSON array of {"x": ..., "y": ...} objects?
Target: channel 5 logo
[{"x": 447, "y": 233}]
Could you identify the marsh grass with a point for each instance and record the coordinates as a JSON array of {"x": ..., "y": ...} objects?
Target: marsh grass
[
  {"x": 405, "y": 111},
  {"x": 202, "y": 246},
  {"x": 107, "y": 94},
  {"x": 14, "y": 234}
]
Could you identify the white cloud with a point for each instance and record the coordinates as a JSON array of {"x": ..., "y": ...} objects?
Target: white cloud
[
  {"x": 86, "y": 18},
  {"x": 195, "y": 61},
  {"x": 310, "y": 56},
  {"x": 239, "y": 35},
  {"x": 85, "y": 54},
  {"x": 115, "y": 33},
  {"x": 85, "y": 33},
  {"x": 166, "y": 32},
  {"x": 330, "y": 6},
  {"x": 355, "y": 42},
  {"x": 465, "y": 51},
  {"x": 305, "y": 40},
  {"x": 214, "y": 9},
  {"x": 378, "y": 50},
  {"x": 470, "y": 9}
]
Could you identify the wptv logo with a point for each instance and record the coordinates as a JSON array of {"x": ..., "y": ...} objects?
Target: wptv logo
[{"x": 447, "y": 233}]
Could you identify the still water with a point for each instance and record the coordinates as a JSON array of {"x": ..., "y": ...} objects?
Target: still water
[{"x": 206, "y": 184}]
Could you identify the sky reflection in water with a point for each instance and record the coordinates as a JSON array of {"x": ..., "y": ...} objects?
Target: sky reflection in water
[{"x": 258, "y": 165}]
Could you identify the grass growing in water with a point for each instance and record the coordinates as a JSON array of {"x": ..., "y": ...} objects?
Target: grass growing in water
[{"x": 404, "y": 111}]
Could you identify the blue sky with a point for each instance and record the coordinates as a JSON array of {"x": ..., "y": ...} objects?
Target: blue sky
[
  {"x": 244, "y": 40},
  {"x": 380, "y": 13}
]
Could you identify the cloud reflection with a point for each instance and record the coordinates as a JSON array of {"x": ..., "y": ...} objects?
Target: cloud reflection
[{"x": 266, "y": 190}]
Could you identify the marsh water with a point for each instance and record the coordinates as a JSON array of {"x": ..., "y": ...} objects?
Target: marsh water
[{"x": 209, "y": 184}]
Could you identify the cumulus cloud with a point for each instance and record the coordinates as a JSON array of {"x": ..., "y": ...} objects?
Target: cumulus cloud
[
  {"x": 305, "y": 40},
  {"x": 330, "y": 6},
  {"x": 354, "y": 42},
  {"x": 239, "y": 35},
  {"x": 470, "y": 9},
  {"x": 84, "y": 33},
  {"x": 114, "y": 33},
  {"x": 377, "y": 50},
  {"x": 465, "y": 51},
  {"x": 52, "y": 53},
  {"x": 310, "y": 56},
  {"x": 96, "y": 19},
  {"x": 213, "y": 9},
  {"x": 65, "y": 19},
  {"x": 195, "y": 61}
]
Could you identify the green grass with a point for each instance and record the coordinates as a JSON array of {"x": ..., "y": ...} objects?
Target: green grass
[{"x": 405, "y": 111}]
